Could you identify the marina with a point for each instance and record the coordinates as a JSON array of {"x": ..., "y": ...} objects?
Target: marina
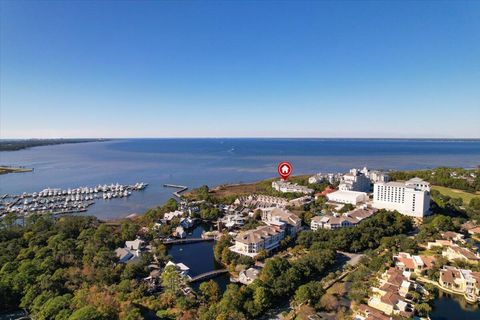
[{"x": 63, "y": 201}]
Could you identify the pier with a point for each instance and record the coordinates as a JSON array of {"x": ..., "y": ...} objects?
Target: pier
[
  {"x": 208, "y": 275},
  {"x": 178, "y": 193},
  {"x": 187, "y": 240}
]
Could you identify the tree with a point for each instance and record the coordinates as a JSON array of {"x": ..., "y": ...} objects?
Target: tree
[
  {"x": 86, "y": 313},
  {"x": 210, "y": 292},
  {"x": 171, "y": 279},
  {"x": 423, "y": 309},
  {"x": 129, "y": 230}
]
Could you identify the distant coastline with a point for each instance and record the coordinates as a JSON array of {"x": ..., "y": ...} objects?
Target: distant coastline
[{"x": 19, "y": 144}]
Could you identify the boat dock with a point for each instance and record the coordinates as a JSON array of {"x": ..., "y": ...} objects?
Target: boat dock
[
  {"x": 62, "y": 201},
  {"x": 178, "y": 193}
]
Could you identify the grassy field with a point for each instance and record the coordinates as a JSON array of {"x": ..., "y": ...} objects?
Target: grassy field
[{"x": 454, "y": 193}]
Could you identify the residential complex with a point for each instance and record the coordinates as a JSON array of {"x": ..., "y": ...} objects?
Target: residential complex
[
  {"x": 285, "y": 186},
  {"x": 392, "y": 295},
  {"x": 411, "y": 198},
  {"x": 355, "y": 180},
  {"x": 284, "y": 219},
  {"x": 348, "y": 219},
  {"x": 251, "y": 242}
]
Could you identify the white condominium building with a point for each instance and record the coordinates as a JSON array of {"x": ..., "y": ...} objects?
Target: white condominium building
[
  {"x": 285, "y": 186},
  {"x": 355, "y": 180},
  {"x": 410, "y": 198}
]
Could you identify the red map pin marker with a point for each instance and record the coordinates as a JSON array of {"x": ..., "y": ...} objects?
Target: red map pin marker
[{"x": 285, "y": 169}]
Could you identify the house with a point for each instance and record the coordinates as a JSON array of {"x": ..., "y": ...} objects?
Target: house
[
  {"x": 365, "y": 312},
  {"x": 123, "y": 255},
  {"x": 135, "y": 246},
  {"x": 391, "y": 296},
  {"x": 439, "y": 244},
  {"x": 413, "y": 263},
  {"x": 248, "y": 276},
  {"x": 352, "y": 197},
  {"x": 251, "y": 242},
  {"x": 167, "y": 217},
  {"x": 453, "y": 236},
  {"x": 283, "y": 218},
  {"x": 181, "y": 268},
  {"x": 455, "y": 252},
  {"x": 475, "y": 231},
  {"x": 461, "y": 281},
  {"x": 179, "y": 232},
  {"x": 187, "y": 223}
]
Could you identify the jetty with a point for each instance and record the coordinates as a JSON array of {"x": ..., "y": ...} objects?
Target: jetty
[
  {"x": 207, "y": 275},
  {"x": 177, "y": 193}
]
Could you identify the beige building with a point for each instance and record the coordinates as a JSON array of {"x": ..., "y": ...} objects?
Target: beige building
[
  {"x": 284, "y": 219},
  {"x": 461, "y": 281},
  {"x": 455, "y": 252},
  {"x": 251, "y": 242}
]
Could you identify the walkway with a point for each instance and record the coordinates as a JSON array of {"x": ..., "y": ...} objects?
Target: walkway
[{"x": 208, "y": 275}]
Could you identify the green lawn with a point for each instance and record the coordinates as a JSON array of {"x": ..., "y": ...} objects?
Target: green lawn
[{"x": 454, "y": 193}]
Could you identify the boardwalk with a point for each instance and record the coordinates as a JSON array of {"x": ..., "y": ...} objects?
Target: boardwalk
[
  {"x": 178, "y": 193},
  {"x": 187, "y": 240},
  {"x": 208, "y": 275}
]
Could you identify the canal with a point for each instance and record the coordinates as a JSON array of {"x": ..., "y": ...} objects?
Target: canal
[
  {"x": 198, "y": 257},
  {"x": 451, "y": 307}
]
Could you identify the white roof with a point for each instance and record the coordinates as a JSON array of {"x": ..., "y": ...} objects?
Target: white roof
[
  {"x": 133, "y": 245},
  {"x": 346, "y": 194}
]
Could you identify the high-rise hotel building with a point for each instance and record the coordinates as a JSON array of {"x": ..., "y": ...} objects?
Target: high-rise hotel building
[{"x": 410, "y": 198}]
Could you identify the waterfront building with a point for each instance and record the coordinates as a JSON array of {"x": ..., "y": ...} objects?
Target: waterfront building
[
  {"x": 285, "y": 186},
  {"x": 461, "y": 281},
  {"x": 170, "y": 215},
  {"x": 251, "y": 242},
  {"x": 180, "y": 232},
  {"x": 351, "y": 197},
  {"x": 375, "y": 175},
  {"x": 410, "y": 198},
  {"x": 283, "y": 218},
  {"x": 181, "y": 268},
  {"x": 233, "y": 220},
  {"x": 355, "y": 180},
  {"x": 187, "y": 223}
]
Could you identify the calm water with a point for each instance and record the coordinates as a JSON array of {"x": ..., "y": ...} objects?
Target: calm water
[
  {"x": 449, "y": 307},
  {"x": 198, "y": 257},
  {"x": 194, "y": 162}
]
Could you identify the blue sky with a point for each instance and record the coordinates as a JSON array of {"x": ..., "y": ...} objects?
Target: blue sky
[{"x": 239, "y": 69}]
